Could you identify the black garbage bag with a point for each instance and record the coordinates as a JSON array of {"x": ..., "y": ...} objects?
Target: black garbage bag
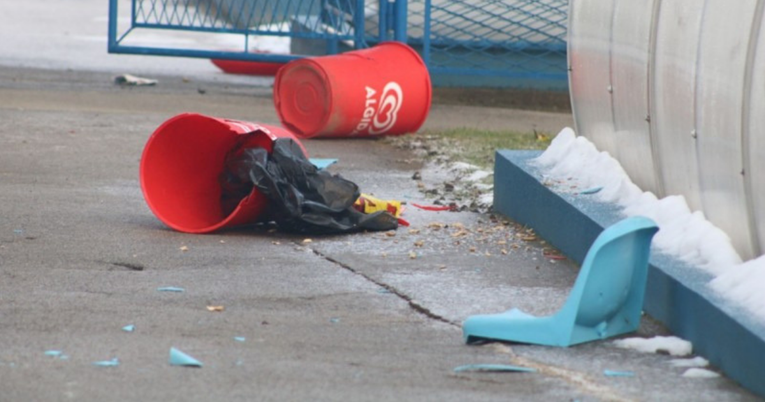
[{"x": 302, "y": 198}]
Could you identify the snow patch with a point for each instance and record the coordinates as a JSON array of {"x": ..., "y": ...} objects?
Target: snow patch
[
  {"x": 574, "y": 162},
  {"x": 697, "y": 361},
  {"x": 700, "y": 373},
  {"x": 670, "y": 344}
]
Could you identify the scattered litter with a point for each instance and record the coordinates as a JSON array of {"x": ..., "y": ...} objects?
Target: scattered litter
[
  {"x": 178, "y": 358},
  {"x": 496, "y": 368},
  {"x": 215, "y": 308},
  {"x": 240, "y": 338},
  {"x": 368, "y": 204},
  {"x": 414, "y": 231},
  {"x": 303, "y": 199},
  {"x": 18, "y": 231},
  {"x": 54, "y": 353},
  {"x": 658, "y": 344},
  {"x": 306, "y": 241},
  {"x": 697, "y": 361},
  {"x": 334, "y": 320},
  {"x": 184, "y": 248},
  {"x": 412, "y": 255},
  {"x": 592, "y": 190},
  {"x": 419, "y": 243},
  {"x": 553, "y": 256},
  {"x": 700, "y": 373},
  {"x": 614, "y": 373},
  {"x": 107, "y": 363},
  {"x": 322, "y": 163},
  {"x": 132, "y": 80},
  {"x": 435, "y": 208},
  {"x": 383, "y": 291},
  {"x": 170, "y": 289},
  {"x": 129, "y": 328}
]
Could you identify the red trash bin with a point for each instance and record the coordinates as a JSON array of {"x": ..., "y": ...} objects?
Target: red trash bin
[
  {"x": 181, "y": 167},
  {"x": 384, "y": 90}
]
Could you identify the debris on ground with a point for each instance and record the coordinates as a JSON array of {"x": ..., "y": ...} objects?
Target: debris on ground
[
  {"x": 107, "y": 363},
  {"x": 178, "y": 358},
  {"x": 170, "y": 289},
  {"x": 616, "y": 373},
  {"x": 216, "y": 309},
  {"x": 494, "y": 368},
  {"x": 132, "y": 80},
  {"x": 129, "y": 328},
  {"x": 302, "y": 198}
]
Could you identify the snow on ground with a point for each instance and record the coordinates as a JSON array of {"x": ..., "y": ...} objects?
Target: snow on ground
[
  {"x": 670, "y": 344},
  {"x": 700, "y": 373},
  {"x": 697, "y": 361},
  {"x": 683, "y": 233}
]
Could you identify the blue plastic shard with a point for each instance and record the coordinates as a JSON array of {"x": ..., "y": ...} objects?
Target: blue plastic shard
[
  {"x": 239, "y": 338},
  {"x": 178, "y": 358},
  {"x": 322, "y": 163},
  {"x": 500, "y": 368},
  {"x": 334, "y": 320},
  {"x": 108, "y": 363},
  {"x": 615, "y": 373},
  {"x": 170, "y": 289},
  {"x": 54, "y": 353},
  {"x": 592, "y": 190},
  {"x": 606, "y": 299},
  {"x": 129, "y": 328}
]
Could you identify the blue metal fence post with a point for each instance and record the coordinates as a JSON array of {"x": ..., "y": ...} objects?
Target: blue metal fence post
[
  {"x": 359, "y": 25},
  {"x": 112, "y": 25},
  {"x": 382, "y": 21},
  {"x": 426, "y": 35},
  {"x": 399, "y": 21}
]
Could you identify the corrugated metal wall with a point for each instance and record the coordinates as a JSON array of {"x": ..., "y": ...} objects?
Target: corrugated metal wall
[{"x": 675, "y": 90}]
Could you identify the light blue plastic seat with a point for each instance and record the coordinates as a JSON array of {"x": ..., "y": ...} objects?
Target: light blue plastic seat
[{"x": 606, "y": 300}]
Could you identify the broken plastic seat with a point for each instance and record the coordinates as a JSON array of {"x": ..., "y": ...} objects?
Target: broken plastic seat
[{"x": 606, "y": 300}]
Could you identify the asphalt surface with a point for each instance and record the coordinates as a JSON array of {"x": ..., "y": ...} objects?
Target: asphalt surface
[{"x": 369, "y": 316}]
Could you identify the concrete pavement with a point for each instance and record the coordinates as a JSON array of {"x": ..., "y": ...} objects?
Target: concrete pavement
[{"x": 350, "y": 317}]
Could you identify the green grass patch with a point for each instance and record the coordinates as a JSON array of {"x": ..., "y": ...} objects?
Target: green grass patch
[{"x": 479, "y": 146}]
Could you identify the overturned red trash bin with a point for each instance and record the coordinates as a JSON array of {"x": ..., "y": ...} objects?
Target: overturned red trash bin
[
  {"x": 384, "y": 90},
  {"x": 181, "y": 167}
]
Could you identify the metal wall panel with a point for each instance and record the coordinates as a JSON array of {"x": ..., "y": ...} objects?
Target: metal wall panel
[
  {"x": 673, "y": 90},
  {"x": 725, "y": 34},
  {"x": 697, "y": 68},
  {"x": 631, "y": 39},
  {"x": 754, "y": 131},
  {"x": 589, "y": 50}
]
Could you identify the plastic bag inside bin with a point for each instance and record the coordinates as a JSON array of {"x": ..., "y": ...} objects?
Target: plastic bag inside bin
[{"x": 302, "y": 199}]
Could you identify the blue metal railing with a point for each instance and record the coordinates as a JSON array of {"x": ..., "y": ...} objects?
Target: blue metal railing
[{"x": 463, "y": 42}]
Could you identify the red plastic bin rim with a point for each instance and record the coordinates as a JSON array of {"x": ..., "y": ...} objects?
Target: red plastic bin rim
[{"x": 148, "y": 198}]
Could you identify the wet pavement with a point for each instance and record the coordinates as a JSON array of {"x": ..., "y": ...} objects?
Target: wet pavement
[{"x": 368, "y": 316}]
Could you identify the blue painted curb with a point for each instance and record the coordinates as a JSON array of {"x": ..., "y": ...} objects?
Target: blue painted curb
[{"x": 676, "y": 294}]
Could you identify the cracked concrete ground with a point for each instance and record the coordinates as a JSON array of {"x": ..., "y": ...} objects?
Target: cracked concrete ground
[{"x": 368, "y": 316}]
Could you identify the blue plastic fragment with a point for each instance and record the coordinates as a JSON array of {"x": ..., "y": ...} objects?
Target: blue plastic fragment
[
  {"x": 239, "y": 338},
  {"x": 107, "y": 363},
  {"x": 500, "y": 368},
  {"x": 592, "y": 190},
  {"x": 129, "y": 328},
  {"x": 178, "y": 358},
  {"x": 383, "y": 291},
  {"x": 54, "y": 353},
  {"x": 322, "y": 163},
  {"x": 334, "y": 320},
  {"x": 614, "y": 373},
  {"x": 170, "y": 289}
]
